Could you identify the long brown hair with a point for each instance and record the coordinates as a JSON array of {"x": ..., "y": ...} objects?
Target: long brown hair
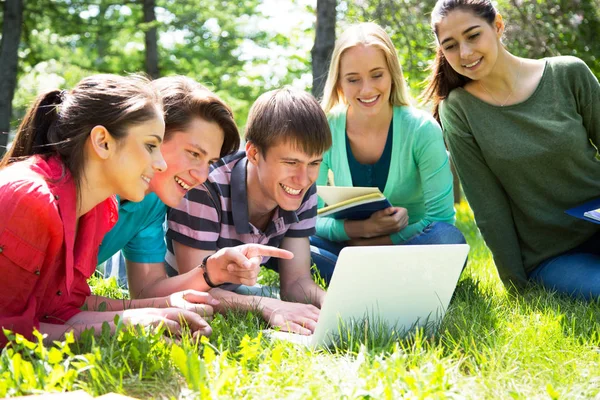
[
  {"x": 443, "y": 78},
  {"x": 185, "y": 99},
  {"x": 59, "y": 122}
]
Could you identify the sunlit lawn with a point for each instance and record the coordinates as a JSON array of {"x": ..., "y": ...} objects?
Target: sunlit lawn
[{"x": 491, "y": 345}]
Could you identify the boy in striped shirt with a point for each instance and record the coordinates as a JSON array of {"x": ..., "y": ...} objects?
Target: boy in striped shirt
[{"x": 263, "y": 195}]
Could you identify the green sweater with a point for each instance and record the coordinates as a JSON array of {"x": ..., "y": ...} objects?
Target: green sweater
[
  {"x": 419, "y": 178},
  {"x": 522, "y": 166}
]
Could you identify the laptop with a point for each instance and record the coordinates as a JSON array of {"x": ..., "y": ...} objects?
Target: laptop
[{"x": 401, "y": 287}]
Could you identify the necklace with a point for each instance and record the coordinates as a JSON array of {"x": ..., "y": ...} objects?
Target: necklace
[{"x": 503, "y": 103}]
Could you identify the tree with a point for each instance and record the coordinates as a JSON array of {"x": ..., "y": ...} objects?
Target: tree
[
  {"x": 9, "y": 47},
  {"x": 554, "y": 27},
  {"x": 151, "y": 39},
  {"x": 324, "y": 43}
]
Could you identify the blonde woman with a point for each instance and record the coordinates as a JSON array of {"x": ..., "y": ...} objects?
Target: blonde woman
[{"x": 380, "y": 140}]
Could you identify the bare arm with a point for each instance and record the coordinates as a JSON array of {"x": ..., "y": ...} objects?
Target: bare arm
[
  {"x": 173, "y": 318},
  {"x": 380, "y": 223},
  {"x": 292, "y": 317},
  {"x": 192, "y": 300},
  {"x": 239, "y": 265},
  {"x": 375, "y": 241},
  {"x": 295, "y": 277},
  {"x": 151, "y": 280}
]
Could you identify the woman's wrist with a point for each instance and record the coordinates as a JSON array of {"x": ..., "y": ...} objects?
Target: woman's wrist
[{"x": 359, "y": 229}]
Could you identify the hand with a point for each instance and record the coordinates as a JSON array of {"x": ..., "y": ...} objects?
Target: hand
[
  {"x": 386, "y": 221},
  {"x": 192, "y": 300},
  {"x": 174, "y": 319},
  {"x": 291, "y": 317},
  {"x": 241, "y": 264}
]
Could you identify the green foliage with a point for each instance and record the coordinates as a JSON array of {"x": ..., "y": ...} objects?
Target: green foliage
[
  {"x": 407, "y": 24},
  {"x": 28, "y": 367},
  {"x": 535, "y": 29},
  {"x": 107, "y": 287},
  {"x": 133, "y": 359},
  {"x": 80, "y": 38},
  {"x": 538, "y": 29}
]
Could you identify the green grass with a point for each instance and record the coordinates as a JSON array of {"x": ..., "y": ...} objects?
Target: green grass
[{"x": 492, "y": 344}]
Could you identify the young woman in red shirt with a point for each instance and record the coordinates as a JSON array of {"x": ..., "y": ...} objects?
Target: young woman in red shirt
[{"x": 73, "y": 151}]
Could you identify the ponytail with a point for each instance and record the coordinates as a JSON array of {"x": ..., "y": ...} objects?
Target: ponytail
[
  {"x": 442, "y": 80},
  {"x": 60, "y": 122},
  {"x": 33, "y": 133}
]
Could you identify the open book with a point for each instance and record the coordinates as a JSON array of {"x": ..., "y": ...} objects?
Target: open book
[
  {"x": 589, "y": 211},
  {"x": 346, "y": 202}
]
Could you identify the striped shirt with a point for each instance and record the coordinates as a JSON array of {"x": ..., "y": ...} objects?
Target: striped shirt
[{"x": 199, "y": 223}]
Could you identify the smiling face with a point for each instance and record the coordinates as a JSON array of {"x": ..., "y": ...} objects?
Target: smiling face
[
  {"x": 137, "y": 159},
  {"x": 284, "y": 175},
  {"x": 470, "y": 44},
  {"x": 365, "y": 79},
  {"x": 188, "y": 154}
]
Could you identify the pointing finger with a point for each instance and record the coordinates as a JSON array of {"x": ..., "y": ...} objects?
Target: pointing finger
[{"x": 255, "y": 250}]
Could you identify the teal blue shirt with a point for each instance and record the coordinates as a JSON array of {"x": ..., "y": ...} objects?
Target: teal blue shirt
[
  {"x": 139, "y": 232},
  {"x": 419, "y": 177},
  {"x": 371, "y": 175}
]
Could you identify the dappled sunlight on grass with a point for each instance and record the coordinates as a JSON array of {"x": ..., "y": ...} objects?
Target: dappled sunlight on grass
[{"x": 480, "y": 265}]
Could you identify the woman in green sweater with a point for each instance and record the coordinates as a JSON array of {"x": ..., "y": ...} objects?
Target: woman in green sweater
[
  {"x": 522, "y": 134},
  {"x": 379, "y": 140}
]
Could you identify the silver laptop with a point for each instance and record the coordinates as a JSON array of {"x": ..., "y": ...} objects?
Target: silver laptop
[{"x": 400, "y": 287}]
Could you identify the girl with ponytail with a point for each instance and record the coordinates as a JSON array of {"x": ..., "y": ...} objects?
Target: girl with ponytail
[{"x": 74, "y": 151}]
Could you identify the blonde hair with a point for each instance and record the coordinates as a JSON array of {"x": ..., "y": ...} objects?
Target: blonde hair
[{"x": 367, "y": 34}]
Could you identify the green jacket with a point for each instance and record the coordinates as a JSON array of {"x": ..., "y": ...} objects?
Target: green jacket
[{"x": 419, "y": 178}]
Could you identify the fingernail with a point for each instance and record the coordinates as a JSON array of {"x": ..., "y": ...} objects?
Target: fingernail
[{"x": 214, "y": 302}]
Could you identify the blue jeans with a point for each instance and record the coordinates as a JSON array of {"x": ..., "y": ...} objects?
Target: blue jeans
[
  {"x": 325, "y": 253},
  {"x": 115, "y": 266},
  {"x": 575, "y": 272}
]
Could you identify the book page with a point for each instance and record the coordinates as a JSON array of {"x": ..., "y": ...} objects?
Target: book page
[{"x": 336, "y": 194}]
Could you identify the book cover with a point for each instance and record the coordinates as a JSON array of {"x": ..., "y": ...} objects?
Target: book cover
[
  {"x": 589, "y": 211},
  {"x": 354, "y": 203}
]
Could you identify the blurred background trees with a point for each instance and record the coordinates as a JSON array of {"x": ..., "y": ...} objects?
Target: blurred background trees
[{"x": 242, "y": 48}]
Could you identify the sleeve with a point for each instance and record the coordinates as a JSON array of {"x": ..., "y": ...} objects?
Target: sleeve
[
  {"x": 588, "y": 99},
  {"x": 307, "y": 216},
  {"x": 436, "y": 180},
  {"x": 327, "y": 227},
  {"x": 195, "y": 222},
  {"x": 148, "y": 245},
  {"x": 486, "y": 197},
  {"x": 25, "y": 234}
]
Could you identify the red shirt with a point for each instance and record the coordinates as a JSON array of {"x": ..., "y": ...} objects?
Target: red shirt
[{"x": 43, "y": 267}]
